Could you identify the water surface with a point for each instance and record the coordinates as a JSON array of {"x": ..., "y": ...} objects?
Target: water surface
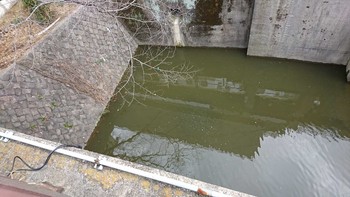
[{"x": 267, "y": 127}]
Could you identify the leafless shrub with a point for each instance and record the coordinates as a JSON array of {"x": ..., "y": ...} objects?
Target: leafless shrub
[{"x": 144, "y": 24}]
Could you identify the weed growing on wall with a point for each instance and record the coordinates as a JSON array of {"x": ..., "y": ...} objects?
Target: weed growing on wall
[{"x": 41, "y": 12}]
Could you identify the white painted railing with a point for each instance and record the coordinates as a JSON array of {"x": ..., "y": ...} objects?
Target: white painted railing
[
  {"x": 6, "y": 135},
  {"x": 6, "y": 5}
]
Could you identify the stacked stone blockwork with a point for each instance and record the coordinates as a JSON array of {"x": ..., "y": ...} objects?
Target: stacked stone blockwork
[{"x": 59, "y": 90}]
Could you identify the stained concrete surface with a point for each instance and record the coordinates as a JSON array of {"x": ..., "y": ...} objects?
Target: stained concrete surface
[
  {"x": 203, "y": 23},
  {"x": 309, "y": 30}
]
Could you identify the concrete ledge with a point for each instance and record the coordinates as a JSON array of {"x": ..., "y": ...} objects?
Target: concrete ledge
[
  {"x": 10, "y": 187},
  {"x": 6, "y": 5},
  {"x": 88, "y": 181}
]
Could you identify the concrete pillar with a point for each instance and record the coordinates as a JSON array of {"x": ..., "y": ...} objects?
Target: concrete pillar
[{"x": 309, "y": 30}]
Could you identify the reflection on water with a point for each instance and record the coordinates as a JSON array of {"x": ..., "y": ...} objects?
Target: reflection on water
[
  {"x": 309, "y": 158},
  {"x": 262, "y": 126}
]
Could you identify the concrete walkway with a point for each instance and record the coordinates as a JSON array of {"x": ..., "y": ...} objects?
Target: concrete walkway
[{"x": 74, "y": 177}]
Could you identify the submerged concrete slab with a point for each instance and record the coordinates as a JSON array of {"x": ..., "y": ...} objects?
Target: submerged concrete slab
[{"x": 79, "y": 178}]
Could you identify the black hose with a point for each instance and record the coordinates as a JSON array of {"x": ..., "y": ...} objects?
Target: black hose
[{"x": 30, "y": 168}]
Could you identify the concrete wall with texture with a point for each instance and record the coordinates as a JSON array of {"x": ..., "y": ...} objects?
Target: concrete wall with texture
[
  {"x": 59, "y": 90},
  {"x": 208, "y": 23},
  {"x": 311, "y": 30}
]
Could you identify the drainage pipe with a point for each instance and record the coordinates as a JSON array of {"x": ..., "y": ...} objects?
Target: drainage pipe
[{"x": 104, "y": 162}]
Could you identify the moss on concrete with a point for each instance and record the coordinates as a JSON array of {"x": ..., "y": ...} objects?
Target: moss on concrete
[{"x": 208, "y": 12}]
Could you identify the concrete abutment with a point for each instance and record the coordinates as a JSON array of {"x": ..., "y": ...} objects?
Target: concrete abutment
[{"x": 307, "y": 30}]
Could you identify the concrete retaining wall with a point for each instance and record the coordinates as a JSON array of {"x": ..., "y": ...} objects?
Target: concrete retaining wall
[
  {"x": 214, "y": 23},
  {"x": 59, "y": 90},
  {"x": 310, "y": 30}
]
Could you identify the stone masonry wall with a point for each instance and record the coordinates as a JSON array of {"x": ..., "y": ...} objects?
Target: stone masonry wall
[
  {"x": 311, "y": 30},
  {"x": 59, "y": 90}
]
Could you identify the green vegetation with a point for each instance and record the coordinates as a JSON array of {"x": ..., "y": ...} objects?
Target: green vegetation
[
  {"x": 53, "y": 105},
  {"x": 106, "y": 111},
  {"x": 17, "y": 20},
  {"x": 32, "y": 126},
  {"x": 43, "y": 118},
  {"x": 67, "y": 125},
  {"x": 42, "y": 13},
  {"x": 100, "y": 61},
  {"x": 40, "y": 97}
]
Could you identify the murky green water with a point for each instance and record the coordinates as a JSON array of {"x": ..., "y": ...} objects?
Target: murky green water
[{"x": 266, "y": 127}]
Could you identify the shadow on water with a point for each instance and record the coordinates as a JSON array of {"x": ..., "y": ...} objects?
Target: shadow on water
[{"x": 266, "y": 127}]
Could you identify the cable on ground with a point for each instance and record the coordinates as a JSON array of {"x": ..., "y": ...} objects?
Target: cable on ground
[{"x": 30, "y": 168}]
